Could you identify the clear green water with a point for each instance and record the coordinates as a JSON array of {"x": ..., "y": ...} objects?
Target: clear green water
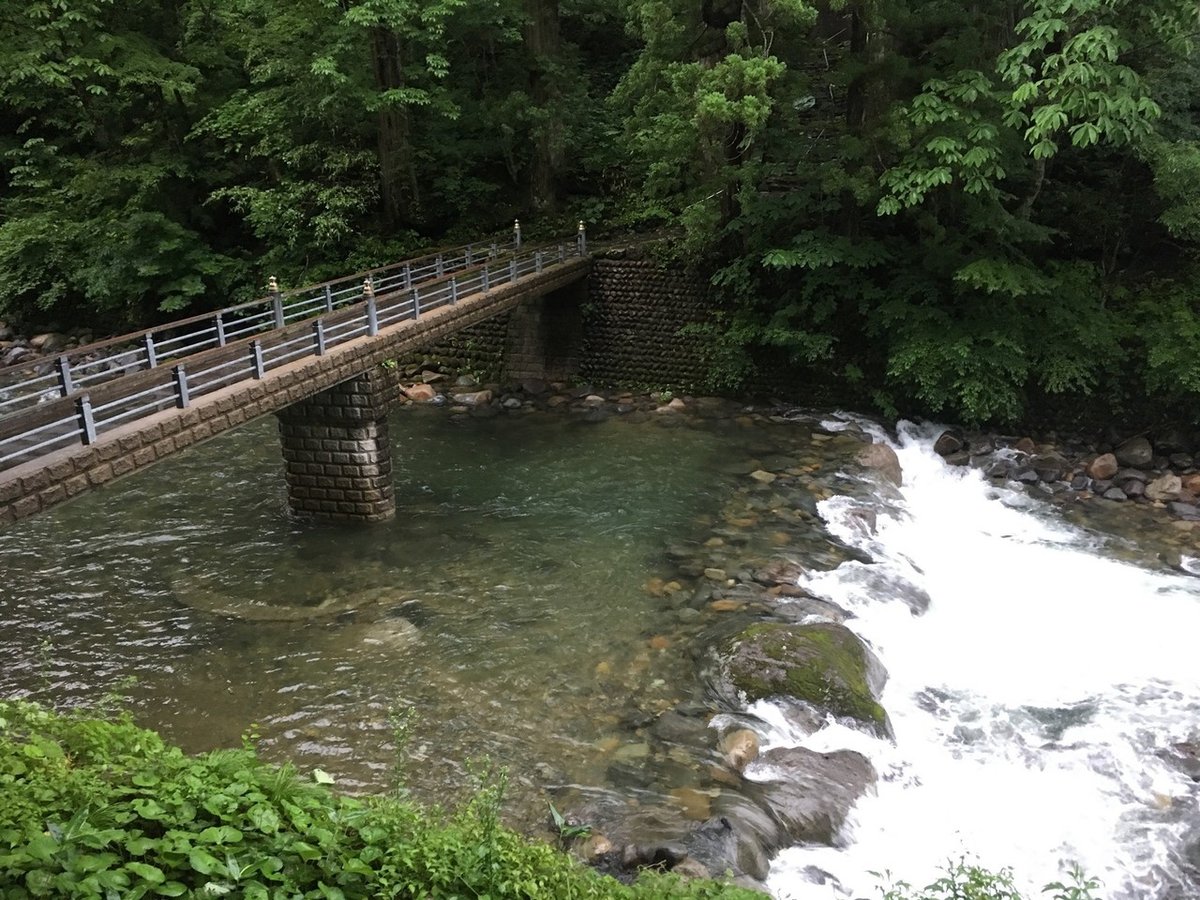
[{"x": 504, "y": 605}]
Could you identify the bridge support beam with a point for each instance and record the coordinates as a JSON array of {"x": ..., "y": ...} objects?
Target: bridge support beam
[
  {"x": 336, "y": 454},
  {"x": 545, "y": 336}
]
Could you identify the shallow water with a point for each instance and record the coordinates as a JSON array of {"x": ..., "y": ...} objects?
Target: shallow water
[{"x": 514, "y": 568}]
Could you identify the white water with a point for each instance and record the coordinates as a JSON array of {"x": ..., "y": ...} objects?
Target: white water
[{"x": 1029, "y": 703}]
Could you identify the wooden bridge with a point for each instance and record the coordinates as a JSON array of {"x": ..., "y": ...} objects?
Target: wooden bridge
[{"x": 313, "y": 355}]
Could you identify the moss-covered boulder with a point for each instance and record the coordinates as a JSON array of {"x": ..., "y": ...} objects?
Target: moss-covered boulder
[{"x": 823, "y": 664}]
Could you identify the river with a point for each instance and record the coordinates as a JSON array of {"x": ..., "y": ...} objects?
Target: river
[{"x": 506, "y": 607}]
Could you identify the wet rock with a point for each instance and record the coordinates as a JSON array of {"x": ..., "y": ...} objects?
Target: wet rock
[
  {"x": 1164, "y": 488},
  {"x": 808, "y": 793},
  {"x": 511, "y": 403},
  {"x": 1184, "y": 511},
  {"x": 740, "y": 748},
  {"x": 779, "y": 571},
  {"x": 1049, "y": 466},
  {"x": 882, "y": 459},
  {"x": 1133, "y": 489},
  {"x": 428, "y": 376},
  {"x": 1025, "y": 445},
  {"x": 763, "y": 477},
  {"x": 473, "y": 398},
  {"x": 420, "y": 393},
  {"x": 824, "y": 664},
  {"x": 1115, "y": 494},
  {"x": 1136, "y": 451},
  {"x": 1028, "y": 476},
  {"x": 961, "y": 458},
  {"x": 806, "y": 609},
  {"x": 949, "y": 442},
  {"x": 465, "y": 381},
  {"x": 1103, "y": 467}
]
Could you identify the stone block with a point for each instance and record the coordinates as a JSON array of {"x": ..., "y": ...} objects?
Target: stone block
[
  {"x": 122, "y": 465},
  {"x": 26, "y": 506},
  {"x": 101, "y": 474},
  {"x": 76, "y": 484}
]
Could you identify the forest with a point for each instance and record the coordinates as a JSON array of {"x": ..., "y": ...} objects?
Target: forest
[{"x": 967, "y": 208}]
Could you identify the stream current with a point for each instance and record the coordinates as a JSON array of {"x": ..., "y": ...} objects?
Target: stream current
[{"x": 1035, "y": 704}]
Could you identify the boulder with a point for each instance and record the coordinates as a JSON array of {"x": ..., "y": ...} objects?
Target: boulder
[
  {"x": 823, "y": 664},
  {"x": 50, "y": 342},
  {"x": 883, "y": 460},
  {"x": 949, "y": 442},
  {"x": 1049, "y": 466},
  {"x": 473, "y": 398},
  {"x": 420, "y": 393},
  {"x": 808, "y": 793},
  {"x": 1164, "y": 488},
  {"x": 1136, "y": 452},
  {"x": 1103, "y": 467}
]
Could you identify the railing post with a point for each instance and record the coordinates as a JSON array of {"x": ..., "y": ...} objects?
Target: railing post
[
  {"x": 328, "y": 299},
  {"x": 87, "y": 421},
  {"x": 220, "y": 326},
  {"x": 182, "y": 398},
  {"x": 562, "y": 252},
  {"x": 276, "y": 300},
  {"x": 372, "y": 312},
  {"x": 582, "y": 239},
  {"x": 151, "y": 355},
  {"x": 407, "y": 277},
  {"x": 439, "y": 266},
  {"x": 453, "y": 291},
  {"x": 256, "y": 360},
  {"x": 517, "y": 233},
  {"x": 495, "y": 250},
  {"x": 319, "y": 328},
  {"x": 65, "y": 383},
  {"x": 487, "y": 282},
  {"x": 470, "y": 257},
  {"x": 416, "y": 299},
  {"x": 512, "y": 270},
  {"x": 537, "y": 261}
]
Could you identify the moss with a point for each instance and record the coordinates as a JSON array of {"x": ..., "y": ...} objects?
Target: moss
[{"x": 823, "y": 664}]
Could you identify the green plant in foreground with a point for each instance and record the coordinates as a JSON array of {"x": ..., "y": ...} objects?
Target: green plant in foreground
[
  {"x": 962, "y": 880},
  {"x": 95, "y": 808}
]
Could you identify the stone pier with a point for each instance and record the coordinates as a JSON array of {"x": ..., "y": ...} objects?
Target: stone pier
[{"x": 337, "y": 459}]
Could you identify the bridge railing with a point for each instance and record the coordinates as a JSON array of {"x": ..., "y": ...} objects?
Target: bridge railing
[
  {"x": 385, "y": 297},
  {"x": 84, "y": 367}
]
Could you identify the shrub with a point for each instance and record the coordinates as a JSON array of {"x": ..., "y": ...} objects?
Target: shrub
[{"x": 102, "y": 808}]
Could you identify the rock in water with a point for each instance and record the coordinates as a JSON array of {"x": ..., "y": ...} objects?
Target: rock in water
[
  {"x": 740, "y": 748},
  {"x": 474, "y": 398},
  {"x": 882, "y": 459},
  {"x": 809, "y": 793},
  {"x": 823, "y": 664},
  {"x": 949, "y": 442}
]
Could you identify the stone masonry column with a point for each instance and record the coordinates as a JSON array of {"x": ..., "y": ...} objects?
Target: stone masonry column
[{"x": 336, "y": 455}]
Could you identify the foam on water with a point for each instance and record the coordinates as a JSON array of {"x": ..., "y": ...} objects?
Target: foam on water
[{"x": 1030, "y": 704}]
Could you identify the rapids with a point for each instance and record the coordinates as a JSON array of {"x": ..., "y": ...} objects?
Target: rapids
[{"x": 1035, "y": 704}]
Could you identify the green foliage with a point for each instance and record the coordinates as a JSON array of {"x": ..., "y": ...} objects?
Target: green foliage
[
  {"x": 99, "y": 808},
  {"x": 966, "y": 881}
]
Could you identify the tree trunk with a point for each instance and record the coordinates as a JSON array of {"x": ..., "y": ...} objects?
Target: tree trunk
[
  {"x": 399, "y": 191},
  {"x": 543, "y": 40}
]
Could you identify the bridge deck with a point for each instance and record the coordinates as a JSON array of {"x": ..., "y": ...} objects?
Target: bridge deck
[{"x": 153, "y": 413}]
